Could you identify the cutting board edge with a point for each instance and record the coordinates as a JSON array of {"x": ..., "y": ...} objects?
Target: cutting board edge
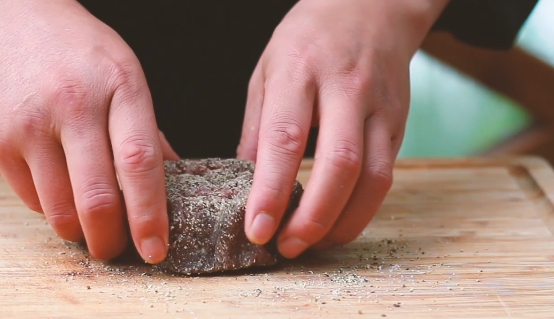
[{"x": 528, "y": 161}]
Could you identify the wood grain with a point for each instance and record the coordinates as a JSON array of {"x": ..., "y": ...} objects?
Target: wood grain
[{"x": 456, "y": 238}]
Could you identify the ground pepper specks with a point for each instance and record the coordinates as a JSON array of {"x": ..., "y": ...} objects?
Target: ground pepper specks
[{"x": 206, "y": 202}]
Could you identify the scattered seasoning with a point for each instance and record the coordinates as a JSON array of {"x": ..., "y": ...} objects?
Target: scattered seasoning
[
  {"x": 373, "y": 271},
  {"x": 350, "y": 278},
  {"x": 257, "y": 292}
]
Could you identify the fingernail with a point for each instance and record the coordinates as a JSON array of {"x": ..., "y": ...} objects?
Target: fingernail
[
  {"x": 262, "y": 228},
  {"x": 291, "y": 247},
  {"x": 152, "y": 249}
]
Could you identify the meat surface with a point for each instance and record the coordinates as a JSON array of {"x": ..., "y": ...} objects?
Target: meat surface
[{"x": 206, "y": 204}]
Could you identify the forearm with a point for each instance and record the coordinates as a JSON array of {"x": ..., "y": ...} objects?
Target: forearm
[{"x": 410, "y": 20}]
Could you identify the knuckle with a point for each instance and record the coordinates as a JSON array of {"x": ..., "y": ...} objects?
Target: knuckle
[
  {"x": 139, "y": 155},
  {"x": 69, "y": 100},
  {"x": 354, "y": 81},
  {"x": 380, "y": 173},
  {"x": 313, "y": 229},
  {"x": 62, "y": 216},
  {"x": 98, "y": 199},
  {"x": 123, "y": 71},
  {"x": 286, "y": 137},
  {"x": 275, "y": 194},
  {"x": 69, "y": 92},
  {"x": 346, "y": 157},
  {"x": 33, "y": 122},
  {"x": 301, "y": 65},
  {"x": 125, "y": 76},
  {"x": 355, "y": 84},
  {"x": 301, "y": 62}
]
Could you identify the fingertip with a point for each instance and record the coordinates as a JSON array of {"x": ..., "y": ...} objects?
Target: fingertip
[
  {"x": 245, "y": 153},
  {"x": 73, "y": 235},
  {"x": 290, "y": 247},
  {"x": 261, "y": 229},
  {"x": 35, "y": 208},
  {"x": 153, "y": 249},
  {"x": 248, "y": 145},
  {"x": 108, "y": 252}
]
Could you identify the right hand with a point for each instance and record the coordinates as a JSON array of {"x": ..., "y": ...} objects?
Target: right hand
[{"x": 75, "y": 112}]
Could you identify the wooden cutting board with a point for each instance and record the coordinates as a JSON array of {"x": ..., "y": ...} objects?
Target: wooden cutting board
[{"x": 457, "y": 238}]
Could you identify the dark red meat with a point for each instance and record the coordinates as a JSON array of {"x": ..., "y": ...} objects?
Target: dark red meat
[{"x": 206, "y": 205}]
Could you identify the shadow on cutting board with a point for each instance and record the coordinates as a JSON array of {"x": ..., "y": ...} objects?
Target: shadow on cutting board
[{"x": 363, "y": 254}]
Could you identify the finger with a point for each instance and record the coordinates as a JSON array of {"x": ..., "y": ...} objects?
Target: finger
[
  {"x": 248, "y": 145},
  {"x": 48, "y": 167},
  {"x": 167, "y": 151},
  {"x": 374, "y": 183},
  {"x": 95, "y": 187},
  {"x": 16, "y": 172},
  {"x": 139, "y": 165},
  {"x": 284, "y": 128},
  {"x": 396, "y": 140},
  {"x": 337, "y": 165}
]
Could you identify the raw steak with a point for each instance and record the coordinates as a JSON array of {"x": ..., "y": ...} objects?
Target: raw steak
[{"x": 206, "y": 205}]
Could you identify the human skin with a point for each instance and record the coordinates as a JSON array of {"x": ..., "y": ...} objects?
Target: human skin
[
  {"x": 76, "y": 115},
  {"x": 344, "y": 66},
  {"x": 75, "y": 110}
]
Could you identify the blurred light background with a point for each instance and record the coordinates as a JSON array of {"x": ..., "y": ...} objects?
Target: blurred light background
[{"x": 452, "y": 115}]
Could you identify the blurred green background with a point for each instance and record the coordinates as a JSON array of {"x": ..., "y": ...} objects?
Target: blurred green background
[{"x": 452, "y": 115}]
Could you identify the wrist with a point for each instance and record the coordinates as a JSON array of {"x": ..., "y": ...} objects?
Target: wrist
[{"x": 415, "y": 19}]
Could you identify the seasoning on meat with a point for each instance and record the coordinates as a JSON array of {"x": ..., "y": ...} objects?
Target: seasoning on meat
[{"x": 206, "y": 202}]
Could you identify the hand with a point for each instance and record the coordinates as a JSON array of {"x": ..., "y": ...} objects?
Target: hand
[
  {"x": 342, "y": 65},
  {"x": 75, "y": 112}
]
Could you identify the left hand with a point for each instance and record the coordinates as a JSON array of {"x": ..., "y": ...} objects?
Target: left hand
[{"x": 342, "y": 65}]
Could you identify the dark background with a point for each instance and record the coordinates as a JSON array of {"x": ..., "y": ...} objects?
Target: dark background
[{"x": 198, "y": 57}]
